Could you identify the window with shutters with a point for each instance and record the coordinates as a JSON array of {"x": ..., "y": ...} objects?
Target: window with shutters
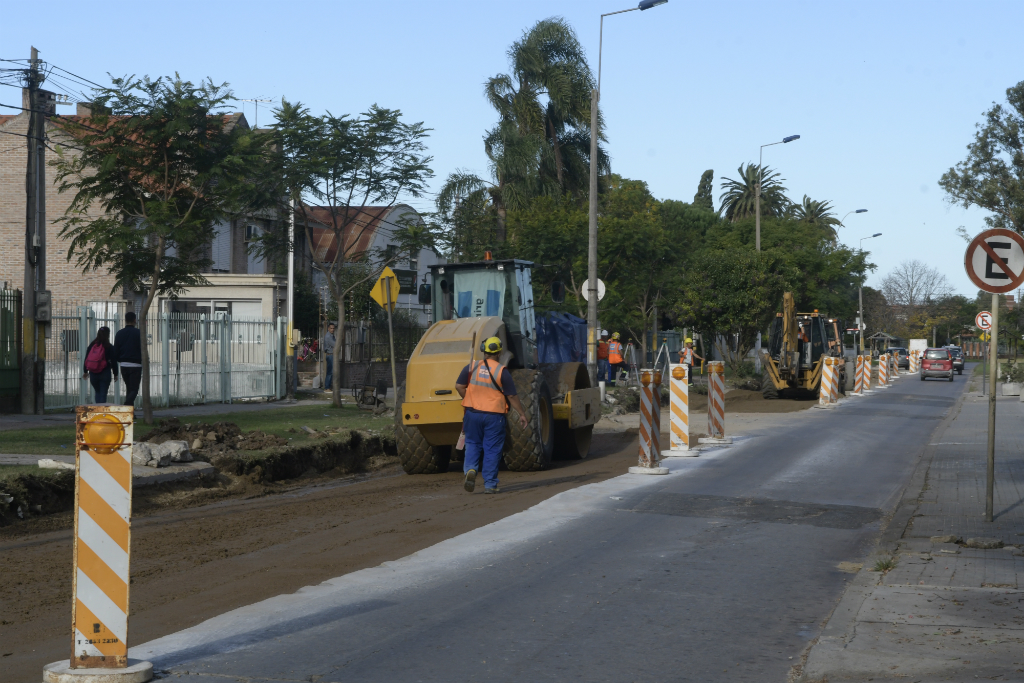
[
  {"x": 257, "y": 265},
  {"x": 220, "y": 248}
]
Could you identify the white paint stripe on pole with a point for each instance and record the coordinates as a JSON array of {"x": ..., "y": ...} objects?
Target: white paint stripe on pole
[
  {"x": 112, "y": 493},
  {"x": 93, "y": 535},
  {"x": 93, "y": 597}
]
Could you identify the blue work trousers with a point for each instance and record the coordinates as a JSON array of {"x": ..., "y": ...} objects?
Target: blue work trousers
[
  {"x": 485, "y": 437},
  {"x": 602, "y": 370}
]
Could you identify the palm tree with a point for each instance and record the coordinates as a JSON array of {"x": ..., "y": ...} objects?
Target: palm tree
[
  {"x": 817, "y": 213},
  {"x": 739, "y": 196}
]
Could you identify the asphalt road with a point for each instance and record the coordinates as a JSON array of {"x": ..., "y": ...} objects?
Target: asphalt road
[{"x": 723, "y": 570}]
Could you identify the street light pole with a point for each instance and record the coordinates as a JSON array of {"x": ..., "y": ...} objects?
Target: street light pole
[
  {"x": 860, "y": 295},
  {"x": 595, "y": 97},
  {"x": 757, "y": 227}
]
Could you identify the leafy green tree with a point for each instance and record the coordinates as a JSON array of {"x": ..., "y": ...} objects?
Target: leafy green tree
[
  {"x": 704, "y": 198},
  {"x": 827, "y": 273},
  {"x": 817, "y": 213},
  {"x": 157, "y": 164},
  {"x": 339, "y": 165},
  {"x": 734, "y": 294},
  {"x": 739, "y": 198},
  {"x": 992, "y": 175}
]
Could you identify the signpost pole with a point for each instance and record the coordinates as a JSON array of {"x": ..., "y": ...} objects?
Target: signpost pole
[
  {"x": 993, "y": 371},
  {"x": 391, "y": 336}
]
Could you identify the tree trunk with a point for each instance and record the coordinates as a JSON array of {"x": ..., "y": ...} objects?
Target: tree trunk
[
  {"x": 557, "y": 150},
  {"x": 500, "y": 231},
  {"x": 143, "y": 318},
  {"x": 339, "y": 351}
]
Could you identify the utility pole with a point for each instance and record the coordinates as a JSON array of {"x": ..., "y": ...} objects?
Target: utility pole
[{"x": 33, "y": 363}]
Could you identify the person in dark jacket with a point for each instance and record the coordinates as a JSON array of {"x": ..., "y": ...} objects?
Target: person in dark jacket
[
  {"x": 99, "y": 367},
  {"x": 128, "y": 354}
]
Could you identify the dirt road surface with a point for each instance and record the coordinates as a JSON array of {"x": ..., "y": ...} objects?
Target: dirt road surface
[{"x": 190, "y": 565}]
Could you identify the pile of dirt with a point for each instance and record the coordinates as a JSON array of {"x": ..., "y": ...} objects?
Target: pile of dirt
[
  {"x": 30, "y": 495},
  {"x": 212, "y": 439}
]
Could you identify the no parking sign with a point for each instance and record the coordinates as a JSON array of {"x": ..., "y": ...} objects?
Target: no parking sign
[{"x": 995, "y": 260}]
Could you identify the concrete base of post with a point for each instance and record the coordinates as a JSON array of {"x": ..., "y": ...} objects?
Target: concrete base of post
[
  {"x": 648, "y": 470},
  {"x": 716, "y": 442},
  {"x": 61, "y": 672},
  {"x": 687, "y": 453}
]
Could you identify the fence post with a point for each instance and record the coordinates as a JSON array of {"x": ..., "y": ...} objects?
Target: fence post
[
  {"x": 83, "y": 341},
  {"x": 202, "y": 357},
  {"x": 225, "y": 359},
  {"x": 279, "y": 358},
  {"x": 165, "y": 359}
]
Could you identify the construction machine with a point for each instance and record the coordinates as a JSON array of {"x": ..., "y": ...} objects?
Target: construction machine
[
  {"x": 798, "y": 343},
  {"x": 472, "y": 302}
]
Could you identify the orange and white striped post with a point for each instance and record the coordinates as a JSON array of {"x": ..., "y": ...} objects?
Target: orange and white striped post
[
  {"x": 716, "y": 404},
  {"x": 858, "y": 376},
  {"x": 894, "y": 366},
  {"x": 883, "y": 371},
  {"x": 650, "y": 425},
  {"x": 679, "y": 412},
  {"x": 101, "y": 550},
  {"x": 825, "y": 386}
]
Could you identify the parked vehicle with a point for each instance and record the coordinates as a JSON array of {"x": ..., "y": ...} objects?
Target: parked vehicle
[
  {"x": 937, "y": 363},
  {"x": 902, "y": 356},
  {"x": 958, "y": 359}
]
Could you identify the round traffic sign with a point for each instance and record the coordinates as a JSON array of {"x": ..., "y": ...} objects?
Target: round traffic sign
[
  {"x": 600, "y": 289},
  {"x": 983, "y": 321},
  {"x": 995, "y": 260}
]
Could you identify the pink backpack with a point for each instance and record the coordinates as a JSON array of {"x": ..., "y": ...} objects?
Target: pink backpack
[{"x": 96, "y": 361}]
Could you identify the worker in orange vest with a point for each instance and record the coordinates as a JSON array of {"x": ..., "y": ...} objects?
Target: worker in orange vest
[
  {"x": 615, "y": 359},
  {"x": 687, "y": 354},
  {"x": 487, "y": 390},
  {"x": 602, "y": 357}
]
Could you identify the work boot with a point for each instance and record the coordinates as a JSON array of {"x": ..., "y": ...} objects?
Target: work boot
[
  {"x": 494, "y": 490},
  {"x": 470, "y": 483}
]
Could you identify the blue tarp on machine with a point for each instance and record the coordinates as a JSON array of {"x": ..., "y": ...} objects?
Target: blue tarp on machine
[{"x": 561, "y": 338}]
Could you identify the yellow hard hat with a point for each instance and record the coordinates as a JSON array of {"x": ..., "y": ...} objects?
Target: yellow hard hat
[
  {"x": 491, "y": 345},
  {"x": 615, "y": 335},
  {"x": 689, "y": 340}
]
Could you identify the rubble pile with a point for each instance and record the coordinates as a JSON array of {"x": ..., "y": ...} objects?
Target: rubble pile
[{"x": 211, "y": 439}]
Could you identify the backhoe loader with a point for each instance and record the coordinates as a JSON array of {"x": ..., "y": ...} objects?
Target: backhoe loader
[{"x": 794, "y": 356}]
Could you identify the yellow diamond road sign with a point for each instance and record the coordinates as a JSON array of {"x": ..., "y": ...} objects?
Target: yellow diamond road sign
[{"x": 380, "y": 294}]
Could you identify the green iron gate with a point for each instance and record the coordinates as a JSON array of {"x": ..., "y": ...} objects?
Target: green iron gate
[{"x": 10, "y": 348}]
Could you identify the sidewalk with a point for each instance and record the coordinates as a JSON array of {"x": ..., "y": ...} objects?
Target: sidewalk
[
  {"x": 946, "y": 611},
  {"x": 51, "y": 419}
]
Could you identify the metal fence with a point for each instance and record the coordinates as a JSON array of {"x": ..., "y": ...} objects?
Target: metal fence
[
  {"x": 368, "y": 342},
  {"x": 10, "y": 344},
  {"x": 193, "y": 358}
]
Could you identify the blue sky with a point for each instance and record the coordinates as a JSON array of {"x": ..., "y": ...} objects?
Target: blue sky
[{"x": 885, "y": 95}]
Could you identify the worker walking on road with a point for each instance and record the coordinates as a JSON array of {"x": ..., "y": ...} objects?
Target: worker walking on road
[
  {"x": 487, "y": 390},
  {"x": 602, "y": 357},
  {"x": 615, "y": 359},
  {"x": 687, "y": 355}
]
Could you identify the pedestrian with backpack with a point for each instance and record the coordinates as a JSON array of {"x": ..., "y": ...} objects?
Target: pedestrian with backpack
[{"x": 100, "y": 364}]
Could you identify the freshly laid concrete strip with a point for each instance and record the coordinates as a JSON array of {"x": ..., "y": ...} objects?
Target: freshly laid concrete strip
[
  {"x": 141, "y": 475},
  {"x": 253, "y": 624}
]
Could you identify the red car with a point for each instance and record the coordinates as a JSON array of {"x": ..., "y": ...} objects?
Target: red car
[{"x": 937, "y": 363}]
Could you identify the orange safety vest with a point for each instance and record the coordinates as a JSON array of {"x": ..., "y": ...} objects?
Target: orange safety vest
[
  {"x": 480, "y": 392},
  {"x": 687, "y": 355},
  {"x": 614, "y": 352}
]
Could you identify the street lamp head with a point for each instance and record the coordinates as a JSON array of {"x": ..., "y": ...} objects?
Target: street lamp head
[
  {"x": 877, "y": 234},
  {"x": 648, "y": 4},
  {"x": 861, "y": 211},
  {"x": 790, "y": 138}
]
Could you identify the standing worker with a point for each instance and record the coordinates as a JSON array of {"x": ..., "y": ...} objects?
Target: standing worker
[
  {"x": 687, "y": 355},
  {"x": 487, "y": 389},
  {"x": 602, "y": 357},
  {"x": 615, "y": 359},
  {"x": 128, "y": 354},
  {"x": 328, "y": 344}
]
